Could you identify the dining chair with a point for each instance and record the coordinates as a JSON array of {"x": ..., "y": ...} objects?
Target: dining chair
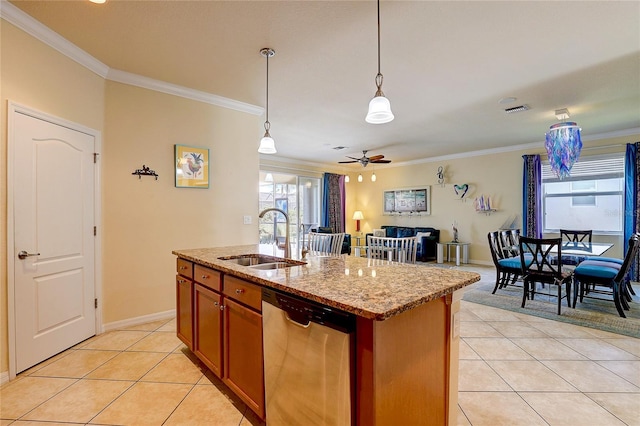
[
  {"x": 577, "y": 237},
  {"x": 508, "y": 269},
  {"x": 321, "y": 243},
  {"x": 401, "y": 250},
  {"x": 607, "y": 277},
  {"x": 544, "y": 266}
]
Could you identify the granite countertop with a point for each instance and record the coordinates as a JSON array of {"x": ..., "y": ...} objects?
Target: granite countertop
[{"x": 370, "y": 288}]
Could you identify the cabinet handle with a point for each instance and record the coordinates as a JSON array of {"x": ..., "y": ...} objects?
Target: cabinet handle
[
  {"x": 204, "y": 277},
  {"x": 222, "y": 307},
  {"x": 183, "y": 267},
  {"x": 239, "y": 291},
  {"x": 215, "y": 303},
  {"x": 181, "y": 281}
]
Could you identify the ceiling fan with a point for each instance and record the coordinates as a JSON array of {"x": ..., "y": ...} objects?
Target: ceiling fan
[{"x": 364, "y": 160}]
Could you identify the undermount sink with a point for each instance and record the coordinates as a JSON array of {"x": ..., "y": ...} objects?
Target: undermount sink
[
  {"x": 273, "y": 265},
  {"x": 262, "y": 261}
]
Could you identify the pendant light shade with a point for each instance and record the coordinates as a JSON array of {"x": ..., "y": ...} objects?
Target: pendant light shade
[
  {"x": 267, "y": 144},
  {"x": 563, "y": 144},
  {"x": 379, "y": 107}
]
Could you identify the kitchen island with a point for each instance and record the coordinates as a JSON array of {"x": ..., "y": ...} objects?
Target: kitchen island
[{"x": 407, "y": 326}]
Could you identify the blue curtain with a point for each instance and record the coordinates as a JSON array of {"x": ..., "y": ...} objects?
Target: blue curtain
[
  {"x": 631, "y": 208},
  {"x": 532, "y": 197},
  {"x": 333, "y": 202}
]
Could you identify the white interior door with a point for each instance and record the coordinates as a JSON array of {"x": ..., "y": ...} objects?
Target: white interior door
[{"x": 53, "y": 226}]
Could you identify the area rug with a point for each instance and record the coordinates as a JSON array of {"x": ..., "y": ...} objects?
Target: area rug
[{"x": 593, "y": 313}]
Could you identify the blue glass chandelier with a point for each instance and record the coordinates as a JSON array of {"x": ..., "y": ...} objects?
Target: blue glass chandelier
[{"x": 563, "y": 146}]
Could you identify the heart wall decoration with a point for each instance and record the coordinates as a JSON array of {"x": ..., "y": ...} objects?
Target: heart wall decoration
[{"x": 461, "y": 190}]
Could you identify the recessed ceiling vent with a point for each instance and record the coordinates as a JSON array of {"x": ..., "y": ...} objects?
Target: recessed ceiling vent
[
  {"x": 339, "y": 148},
  {"x": 517, "y": 109}
]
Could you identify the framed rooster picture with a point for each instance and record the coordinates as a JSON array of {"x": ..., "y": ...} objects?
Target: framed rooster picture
[{"x": 192, "y": 167}]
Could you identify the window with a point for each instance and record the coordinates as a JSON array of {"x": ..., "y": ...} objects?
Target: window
[{"x": 591, "y": 198}]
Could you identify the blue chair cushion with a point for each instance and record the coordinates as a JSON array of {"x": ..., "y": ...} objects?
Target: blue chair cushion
[
  {"x": 514, "y": 262},
  {"x": 602, "y": 264},
  {"x": 585, "y": 269},
  {"x": 606, "y": 259}
]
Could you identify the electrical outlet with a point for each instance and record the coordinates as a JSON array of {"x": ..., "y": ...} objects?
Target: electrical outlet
[{"x": 247, "y": 220}]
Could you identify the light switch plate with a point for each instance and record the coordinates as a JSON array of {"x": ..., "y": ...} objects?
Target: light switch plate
[{"x": 247, "y": 220}]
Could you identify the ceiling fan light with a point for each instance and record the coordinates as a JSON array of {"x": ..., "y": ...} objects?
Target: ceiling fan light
[
  {"x": 267, "y": 145},
  {"x": 379, "y": 110},
  {"x": 360, "y": 177}
]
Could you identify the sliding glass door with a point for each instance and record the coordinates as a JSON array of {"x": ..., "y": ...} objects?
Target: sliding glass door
[{"x": 298, "y": 197}]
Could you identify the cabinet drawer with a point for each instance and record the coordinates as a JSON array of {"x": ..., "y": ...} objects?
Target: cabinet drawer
[
  {"x": 185, "y": 268},
  {"x": 207, "y": 277},
  {"x": 243, "y": 291}
]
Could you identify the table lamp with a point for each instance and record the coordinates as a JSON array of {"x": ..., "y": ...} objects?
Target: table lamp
[{"x": 357, "y": 216}]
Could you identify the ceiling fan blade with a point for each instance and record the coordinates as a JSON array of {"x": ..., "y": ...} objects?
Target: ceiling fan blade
[
  {"x": 376, "y": 157},
  {"x": 380, "y": 161},
  {"x": 355, "y": 161}
]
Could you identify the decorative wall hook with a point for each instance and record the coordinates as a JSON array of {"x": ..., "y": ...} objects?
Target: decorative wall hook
[
  {"x": 440, "y": 175},
  {"x": 145, "y": 171}
]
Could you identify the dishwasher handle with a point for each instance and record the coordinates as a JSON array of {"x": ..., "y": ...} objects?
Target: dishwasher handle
[{"x": 295, "y": 322}]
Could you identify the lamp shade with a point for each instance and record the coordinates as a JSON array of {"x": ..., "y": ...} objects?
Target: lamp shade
[
  {"x": 357, "y": 215},
  {"x": 267, "y": 145},
  {"x": 563, "y": 145},
  {"x": 379, "y": 110}
]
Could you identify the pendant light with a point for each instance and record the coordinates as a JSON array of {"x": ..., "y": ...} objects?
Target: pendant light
[
  {"x": 267, "y": 145},
  {"x": 563, "y": 144},
  {"x": 379, "y": 106}
]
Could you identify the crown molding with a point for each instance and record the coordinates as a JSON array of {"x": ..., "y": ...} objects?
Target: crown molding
[
  {"x": 184, "y": 92},
  {"x": 31, "y": 26},
  {"x": 26, "y": 23},
  {"x": 539, "y": 146}
]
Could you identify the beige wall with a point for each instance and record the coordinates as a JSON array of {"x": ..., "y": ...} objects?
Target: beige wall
[
  {"x": 145, "y": 219},
  {"x": 497, "y": 175},
  {"x": 142, "y": 220}
]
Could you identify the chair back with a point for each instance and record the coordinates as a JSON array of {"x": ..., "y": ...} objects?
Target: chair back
[
  {"x": 576, "y": 236},
  {"x": 321, "y": 243},
  {"x": 632, "y": 252},
  {"x": 495, "y": 247},
  {"x": 509, "y": 241},
  {"x": 545, "y": 263},
  {"x": 401, "y": 250}
]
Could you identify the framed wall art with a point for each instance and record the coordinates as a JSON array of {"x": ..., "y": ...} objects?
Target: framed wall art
[
  {"x": 408, "y": 201},
  {"x": 192, "y": 167}
]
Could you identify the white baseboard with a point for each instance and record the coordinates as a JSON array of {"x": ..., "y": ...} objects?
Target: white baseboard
[
  {"x": 4, "y": 377},
  {"x": 139, "y": 320}
]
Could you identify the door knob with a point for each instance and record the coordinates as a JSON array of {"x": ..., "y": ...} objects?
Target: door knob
[{"x": 23, "y": 254}]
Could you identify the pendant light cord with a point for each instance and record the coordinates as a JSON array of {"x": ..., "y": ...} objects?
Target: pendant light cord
[
  {"x": 267, "y": 125},
  {"x": 379, "y": 75}
]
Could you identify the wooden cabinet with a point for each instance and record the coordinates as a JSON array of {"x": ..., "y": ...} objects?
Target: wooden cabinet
[
  {"x": 220, "y": 320},
  {"x": 184, "y": 302},
  {"x": 207, "y": 317},
  {"x": 243, "y": 368}
]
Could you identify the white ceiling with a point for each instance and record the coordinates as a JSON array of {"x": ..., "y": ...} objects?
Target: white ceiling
[{"x": 446, "y": 64}]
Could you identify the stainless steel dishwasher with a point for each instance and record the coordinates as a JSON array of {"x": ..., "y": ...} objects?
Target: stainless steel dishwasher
[{"x": 308, "y": 361}]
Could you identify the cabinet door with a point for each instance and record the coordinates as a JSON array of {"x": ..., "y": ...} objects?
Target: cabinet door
[
  {"x": 243, "y": 370},
  {"x": 207, "y": 336},
  {"x": 184, "y": 307}
]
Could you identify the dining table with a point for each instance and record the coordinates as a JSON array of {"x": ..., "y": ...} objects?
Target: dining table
[{"x": 583, "y": 248}]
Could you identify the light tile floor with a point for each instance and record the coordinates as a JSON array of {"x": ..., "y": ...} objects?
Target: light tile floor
[{"x": 515, "y": 369}]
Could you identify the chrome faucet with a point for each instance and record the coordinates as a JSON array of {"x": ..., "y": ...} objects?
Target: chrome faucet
[{"x": 287, "y": 248}]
